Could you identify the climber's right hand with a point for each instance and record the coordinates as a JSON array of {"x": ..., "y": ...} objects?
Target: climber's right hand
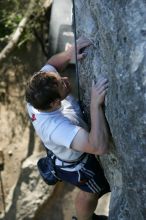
[{"x": 99, "y": 91}]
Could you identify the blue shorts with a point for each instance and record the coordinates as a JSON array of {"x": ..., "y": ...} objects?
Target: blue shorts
[{"x": 90, "y": 178}]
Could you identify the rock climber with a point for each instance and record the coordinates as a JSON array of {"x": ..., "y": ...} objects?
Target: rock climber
[{"x": 58, "y": 121}]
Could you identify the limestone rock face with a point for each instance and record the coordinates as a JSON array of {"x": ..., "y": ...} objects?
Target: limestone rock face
[{"x": 118, "y": 32}]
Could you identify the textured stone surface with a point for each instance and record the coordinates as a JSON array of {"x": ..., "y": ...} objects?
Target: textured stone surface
[
  {"x": 118, "y": 32},
  {"x": 29, "y": 194}
]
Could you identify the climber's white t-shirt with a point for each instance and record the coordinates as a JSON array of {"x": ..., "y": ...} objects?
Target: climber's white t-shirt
[{"x": 57, "y": 129}]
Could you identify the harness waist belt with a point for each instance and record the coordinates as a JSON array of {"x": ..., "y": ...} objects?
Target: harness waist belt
[
  {"x": 63, "y": 164},
  {"x": 73, "y": 161}
]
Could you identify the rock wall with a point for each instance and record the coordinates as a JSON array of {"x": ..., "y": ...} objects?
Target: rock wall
[{"x": 118, "y": 32}]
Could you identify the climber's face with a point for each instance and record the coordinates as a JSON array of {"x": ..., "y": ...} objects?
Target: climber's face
[{"x": 63, "y": 85}]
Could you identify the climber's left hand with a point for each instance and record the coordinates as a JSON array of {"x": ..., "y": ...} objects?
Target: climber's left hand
[{"x": 82, "y": 44}]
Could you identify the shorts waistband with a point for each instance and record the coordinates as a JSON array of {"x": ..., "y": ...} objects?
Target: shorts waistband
[{"x": 70, "y": 164}]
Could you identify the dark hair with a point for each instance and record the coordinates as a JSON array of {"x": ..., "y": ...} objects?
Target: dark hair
[{"x": 41, "y": 90}]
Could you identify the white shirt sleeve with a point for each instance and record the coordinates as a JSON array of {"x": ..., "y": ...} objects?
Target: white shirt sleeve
[
  {"x": 48, "y": 68},
  {"x": 64, "y": 134}
]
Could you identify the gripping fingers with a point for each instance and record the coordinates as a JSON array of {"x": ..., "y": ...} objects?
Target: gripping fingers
[
  {"x": 103, "y": 88},
  {"x": 103, "y": 92},
  {"x": 82, "y": 43},
  {"x": 81, "y": 56},
  {"x": 102, "y": 82}
]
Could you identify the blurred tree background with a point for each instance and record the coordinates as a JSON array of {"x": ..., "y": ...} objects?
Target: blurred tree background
[
  {"x": 22, "y": 23},
  {"x": 24, "y": 47}
]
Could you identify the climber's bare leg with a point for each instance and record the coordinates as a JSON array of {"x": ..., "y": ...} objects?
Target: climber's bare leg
[{"x": 85, "y": 204}]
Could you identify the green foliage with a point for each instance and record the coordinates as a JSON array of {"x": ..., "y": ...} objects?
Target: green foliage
[
  {"x": 12, "y": 12},
  {"x": 10, "y": 17}
]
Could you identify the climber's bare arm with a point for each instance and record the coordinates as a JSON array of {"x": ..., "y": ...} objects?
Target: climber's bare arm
[
  {"x": 97, "y": 140},
  {"x": 59, "y": 61}
]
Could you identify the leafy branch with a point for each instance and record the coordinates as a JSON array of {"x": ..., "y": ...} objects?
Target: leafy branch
[{"x": 31, "y": 14}]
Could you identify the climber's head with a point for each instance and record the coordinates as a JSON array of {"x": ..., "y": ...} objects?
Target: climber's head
[{"x": 46, "y": 90}]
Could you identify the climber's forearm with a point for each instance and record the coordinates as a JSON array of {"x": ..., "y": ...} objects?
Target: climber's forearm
[
  {"x": 99, "y": 134},
  {"x": 61, "y": 60}
]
